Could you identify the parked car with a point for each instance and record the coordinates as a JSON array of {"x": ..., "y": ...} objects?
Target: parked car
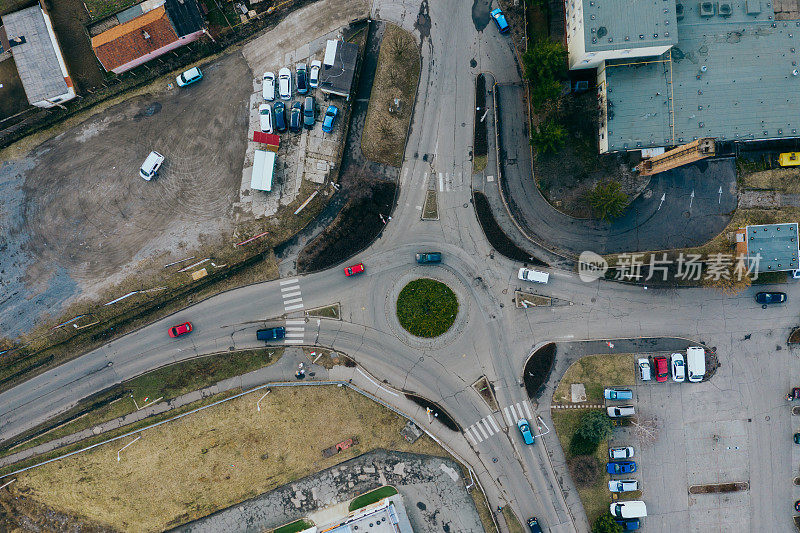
[
  {"x": 644, "y": 368},
  {"x": 629, "y": 525},
  {"x": 296, "y": 117},
  {"x": 621, "y": 452},
  {"x": 429, "y": 257},
  {"x": 302, "y": 78},
  {"x": 621, "y": 411},
  {"x": 629, "y": 509},
  {"x": 313, "y": 75},
  {"x": 265, "y": 117},
  {"x": 623, "y": 485},
  {"x": 618, "y": 394},
  {"x": 151, "y": 165},
  {"x": 527, "y": 274},
  {"x": 533, "y": 523},
  {"x": 525, "y": 429},
  {"x": 270, "y": 334},
  {"x": 180, "y": 329},
  {"x": 192, "y": 75},
  {"x": 329, "y": 120},
  {"x": 285, "y": 83},
  {"x": 616, "y": 468},
  {"x": 678, "y": 368},
  {"x": 309, "y": 112},
  {"x": 696, "y": 363},
  {"x": 797, "y": 438},
  {"x": 769, "y": 298},
  {"x": 268, "y": 86},
  {"x": 280, "y": 117},
  {"x": 353, "y": 270},
  {"x": 500, "y": 20},
  {"x": 662, "y": 369}
]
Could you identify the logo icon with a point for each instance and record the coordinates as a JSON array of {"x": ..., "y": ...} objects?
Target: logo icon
[{"x": 591, "y": 266}]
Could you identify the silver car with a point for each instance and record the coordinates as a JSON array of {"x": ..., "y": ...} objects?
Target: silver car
[
  {"x": 268, "y": 86},
  {"x": 285, "y": 83},
  {"x": 624, "y": 452},
  {"x": 623, "y": 485}
]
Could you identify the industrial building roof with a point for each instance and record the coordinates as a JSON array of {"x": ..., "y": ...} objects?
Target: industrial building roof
[
  {"x": 615, "y": 24},
  {"x": 34, "y": 54},
  {"x": 776, "y": 244},
  {"x": 731, "y": 77},
  {"x": 338, "y": 78}
]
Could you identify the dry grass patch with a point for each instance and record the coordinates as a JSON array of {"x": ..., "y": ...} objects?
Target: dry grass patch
[
  {"x": 513, "y": 523},
  {"x": 778, "y": 179},
  {"x": 396, "y": 77},
  {"x": 596, "y": 372},
  {"x": 430, "y": 211},
  {"x": 212, "y": 459}
]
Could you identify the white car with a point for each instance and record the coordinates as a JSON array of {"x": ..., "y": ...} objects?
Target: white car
[
  {"x": 623, "y": 485},
  {"x": 265, "y": 117},
  {"x": 628, "y": 509},
  {"x": 624, "y": 452},
  {"x": 151, "y": 165},
  {"x": 285, "y": 83},
  {"x": 621, "y": 411},
  {"x": 313, "y": 74},
  {"x": 678, "y": 368},
  {"x": 268, "y": 86},
  {"x": 527, "y": 274},
  {"x": 644, "y": 368}
]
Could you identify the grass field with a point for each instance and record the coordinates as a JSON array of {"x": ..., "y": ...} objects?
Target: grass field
[
  {"x": 163, "y": 479},
  {"x": 294, "y": 527},
  {"x": 426, "y": 307},
  {"x": 372, "y": 497},
  {"x": 101, "y": 8},
  {"x": 596, "y": 372},
  {"x": 779, "y": 179}
]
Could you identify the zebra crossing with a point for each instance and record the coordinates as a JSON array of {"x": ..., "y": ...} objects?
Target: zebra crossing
[
  {"x": 295, "y": 331},
  {"x": 290, "y": 292},
  {"x": 439, "y": 181},
  {"x": 488, "y": 426}
]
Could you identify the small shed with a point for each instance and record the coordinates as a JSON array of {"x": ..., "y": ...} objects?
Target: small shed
[
  {"x": 263, "y": 170},
  {"x": 773, "y": 247},
  {"x": 272, "y": 141}
]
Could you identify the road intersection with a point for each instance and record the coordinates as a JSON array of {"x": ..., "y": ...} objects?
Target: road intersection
[{"x": 490, "y": 336}]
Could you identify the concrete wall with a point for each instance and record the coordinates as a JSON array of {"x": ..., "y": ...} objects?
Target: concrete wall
[{"x": 155, "y": 53}]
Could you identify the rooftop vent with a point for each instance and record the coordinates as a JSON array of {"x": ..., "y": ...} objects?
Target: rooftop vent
[
  {"x": 707, "y": 9},
  {"x": 725, "y": 9},
  {"x": 753, "y": 7},
  {"x": 145, "y": 34},
  {"x": 602, "y": 31}
]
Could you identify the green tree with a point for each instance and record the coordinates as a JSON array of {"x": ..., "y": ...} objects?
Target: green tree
[
  {"x": 545, "y": 65},
  {"x": 607, "y": 200},
  {"x": 595, "y": 426},
  {"x": 605, "y": 524},
  {"x": 550, "y": 136}
]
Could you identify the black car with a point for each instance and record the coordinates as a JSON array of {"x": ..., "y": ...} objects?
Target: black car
[
  {"x": 280, "y": 116},
  {"x": 302, "y": 80},
  {"x": 533, "y": 523},
  {"x": 767, "y": 298},
  {"x": 309, "y": 113},
  {"x": 295, "y": 117},
  {"x": 269, "y": 334}
]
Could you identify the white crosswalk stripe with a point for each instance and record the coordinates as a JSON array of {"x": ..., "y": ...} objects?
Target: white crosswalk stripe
[
  {"x": 441, "y": 182},
  {"x": 494, "y": 423},
  {"x": 471, "y": 436},
  {"x": 447, "y": 182},
  {"x": 523, "y": 410},
  {"x": 291, "y": 294},
  {"x": 289, "y": 281},
  {"x": 482, "y": 429}
]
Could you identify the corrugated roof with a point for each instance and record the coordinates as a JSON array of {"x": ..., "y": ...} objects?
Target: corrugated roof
[
  {"x": 615, "y": 24},
  {"x": 140, "y": 36}
]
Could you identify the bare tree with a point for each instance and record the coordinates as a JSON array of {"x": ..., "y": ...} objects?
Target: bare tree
[{"x": 646, "y": 430}]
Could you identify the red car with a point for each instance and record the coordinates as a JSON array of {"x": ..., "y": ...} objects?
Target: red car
[
  {"x": 181, "y": 329},
  {"x": 662, "y": 368},
  {"x": 353, "y": 270}
]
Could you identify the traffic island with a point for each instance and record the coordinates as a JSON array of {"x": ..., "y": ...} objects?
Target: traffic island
[
  {"x": 426, "y": 307},
  {"x": 538, "y": 367}
]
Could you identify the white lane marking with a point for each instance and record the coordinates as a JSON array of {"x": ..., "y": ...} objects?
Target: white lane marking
[
  {"x": 292, "y": 301},
  {"x": 527, "y": 409},
  {"x": 295, "y": 328},
  {"x": 480, "y": 428},
  {"x": 293, "y": 341},
  {"x": 494, "y": 423},
  {"x": 509, "y": 420},
  {"x": 477, "y": 436},
  {"x": 295, "y": 334},
  {"x": 447, "y": 182},
  {"x": 293, "y": 307},
  {"x": 441, "y": 182},
  {"x": 488, "y": 426},
  {"x": 288, "y": 281},
  {"x": 424, "y": 183},
  {"x": 291, "y": 294},
  {"x": 514, "y": 414},
  {"x": 295, "y": 322},
  {"x": 468, "y": 434},
  {"x": 287, "y": 289}
]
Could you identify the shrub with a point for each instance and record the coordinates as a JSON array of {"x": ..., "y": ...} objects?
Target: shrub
[
  {"x": 426, "y": 307},
  {"x": 545, "y": 64},
  {"x": 550, "y": 136},
  {"x": 595, "y": 427},
  {"x": 605, "y": 524},
  {"x": 584, "y": 470},
  {"x": 607, "y": 200}
]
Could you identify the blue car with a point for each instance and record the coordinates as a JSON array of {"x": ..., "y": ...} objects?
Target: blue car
[
  {"x": 525, "y": 429},
  {"x": 618, "y": 394},
  {"x": 631, "y": 524},
  {"x": 329, "y": 120},
  {"x": 621, "y": 467},
  {"x": 500, "y": 20}
]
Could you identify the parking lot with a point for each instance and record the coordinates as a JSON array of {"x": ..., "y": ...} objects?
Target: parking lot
[{"x": 702, "y": 437}]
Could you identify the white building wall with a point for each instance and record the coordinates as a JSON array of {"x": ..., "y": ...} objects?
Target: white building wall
[
  {"x": 576, "y": 46},
  {"x": 602, "y": 102}
]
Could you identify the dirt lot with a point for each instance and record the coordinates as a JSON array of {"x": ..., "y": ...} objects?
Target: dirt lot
[
  {"x": 12, "y": 95},
  {"x": 75, "y": 215},
  {"x": 163, "y": 479}
]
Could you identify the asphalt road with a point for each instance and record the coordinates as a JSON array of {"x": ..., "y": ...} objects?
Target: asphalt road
[{"x": 490, "y": 336}]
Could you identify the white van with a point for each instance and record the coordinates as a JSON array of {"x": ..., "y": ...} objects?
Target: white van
[
  {"x": 629, "y": 509},
  {"x": 151, "y": 165},
  {"x": 696, "y": 363},
  {"x": 526, "y": 274}
]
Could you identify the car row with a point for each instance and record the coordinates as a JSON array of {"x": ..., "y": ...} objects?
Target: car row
[
  {"x": 300, "y": 116},
  {"x": 304, "y": 80},
  {"x": 691, "y": 367}
]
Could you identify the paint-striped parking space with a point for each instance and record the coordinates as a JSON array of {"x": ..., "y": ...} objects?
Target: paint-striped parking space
[
  {"x": 290, "y": 292},
  {"x": 482, "y": 429},
  {"x": 514, "y": 412},
  {"x": 295, "y": 331}
]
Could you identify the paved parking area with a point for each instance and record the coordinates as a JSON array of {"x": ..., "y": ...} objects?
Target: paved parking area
[{"x": 703, "y": 438}]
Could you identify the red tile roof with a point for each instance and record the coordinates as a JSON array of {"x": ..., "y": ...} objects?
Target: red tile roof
[{"x": 126, "y": 42}]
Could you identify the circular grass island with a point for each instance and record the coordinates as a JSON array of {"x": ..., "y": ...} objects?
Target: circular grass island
[{"x": 426, "y": 307}]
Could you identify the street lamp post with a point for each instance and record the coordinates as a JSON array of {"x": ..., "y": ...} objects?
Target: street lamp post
[{"x": 258, "y": 403}]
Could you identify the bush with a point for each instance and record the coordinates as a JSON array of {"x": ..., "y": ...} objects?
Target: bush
[
  {"x": 549, "y": 137},
  {"x": 605, "y": 524},
  {"x": 584, "y": 470},
  {"x": 426, "y": 307},
  {"x": 607, "y": 200},
  {"x": 579, "y": 445},
  {"x": 545, "y": 64},
  {"x": 595, "y": 427}
]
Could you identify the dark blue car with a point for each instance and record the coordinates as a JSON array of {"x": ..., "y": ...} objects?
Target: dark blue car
[
  {"x": 631, "y": 524},
  {"x": 500, "y": 20},
  {"x": 620, "y": 467}
]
